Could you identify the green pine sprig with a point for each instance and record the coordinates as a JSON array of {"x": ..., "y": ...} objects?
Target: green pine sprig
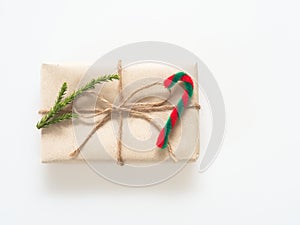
[{"x": 54, "y": 115}]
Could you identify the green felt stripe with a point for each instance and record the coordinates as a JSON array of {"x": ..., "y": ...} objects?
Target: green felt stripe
[
  {"x": 180, "y": 107},
  {"x": 168, "y": 128},
  {"x": 189, "y": 88}
]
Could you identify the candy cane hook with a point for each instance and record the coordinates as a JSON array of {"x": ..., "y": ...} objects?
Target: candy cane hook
[{"x": 162, "y": 140}]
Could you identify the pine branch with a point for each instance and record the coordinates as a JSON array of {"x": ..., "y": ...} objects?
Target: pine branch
[
  {"x": 88, "y": 86},
  {"x": 65, "y": 116},
  {"x": 52, "y": 116},
  {"x": 45, "y": 121},
  {"x": 62, "y": 92}
]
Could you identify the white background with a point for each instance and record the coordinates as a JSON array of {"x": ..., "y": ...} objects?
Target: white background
[{"x": 252, "y": 48}]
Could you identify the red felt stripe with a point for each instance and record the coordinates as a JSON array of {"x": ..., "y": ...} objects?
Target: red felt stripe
[
  {"x": 174, "y": 117},
  {"x": 161, "y": 138},
  {"x": 188, "y": 79},
  {"x": 168, "y": 81},
  {"x": 185, "y": 98}
]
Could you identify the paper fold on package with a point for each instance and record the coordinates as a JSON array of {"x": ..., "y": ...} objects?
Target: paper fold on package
[{"x": 138, "y": 136}]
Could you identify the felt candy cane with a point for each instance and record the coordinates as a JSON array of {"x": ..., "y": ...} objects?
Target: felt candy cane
[{"x": 162, "y": 140}]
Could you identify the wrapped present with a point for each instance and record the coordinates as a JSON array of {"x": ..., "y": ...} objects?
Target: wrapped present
[{"x": 145, "y": 116}]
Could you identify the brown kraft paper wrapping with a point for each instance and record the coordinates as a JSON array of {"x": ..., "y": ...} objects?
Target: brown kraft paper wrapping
[{"x": 58, "y": 141}]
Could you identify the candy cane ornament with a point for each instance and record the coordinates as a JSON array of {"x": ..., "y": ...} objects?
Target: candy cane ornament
[{"x": 162, "y": 140}]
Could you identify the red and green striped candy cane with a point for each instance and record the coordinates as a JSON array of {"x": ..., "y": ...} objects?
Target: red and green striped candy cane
[{"x": 162, "y": 140}]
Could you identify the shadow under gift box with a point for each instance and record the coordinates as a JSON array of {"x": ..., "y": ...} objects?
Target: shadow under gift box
[{"x": 138, "y": 135}]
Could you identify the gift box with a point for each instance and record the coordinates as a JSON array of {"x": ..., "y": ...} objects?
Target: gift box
[{"x": 129, "y": 133}]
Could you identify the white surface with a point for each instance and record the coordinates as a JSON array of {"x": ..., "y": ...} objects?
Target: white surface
[{"x": 252, "y": 47}]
